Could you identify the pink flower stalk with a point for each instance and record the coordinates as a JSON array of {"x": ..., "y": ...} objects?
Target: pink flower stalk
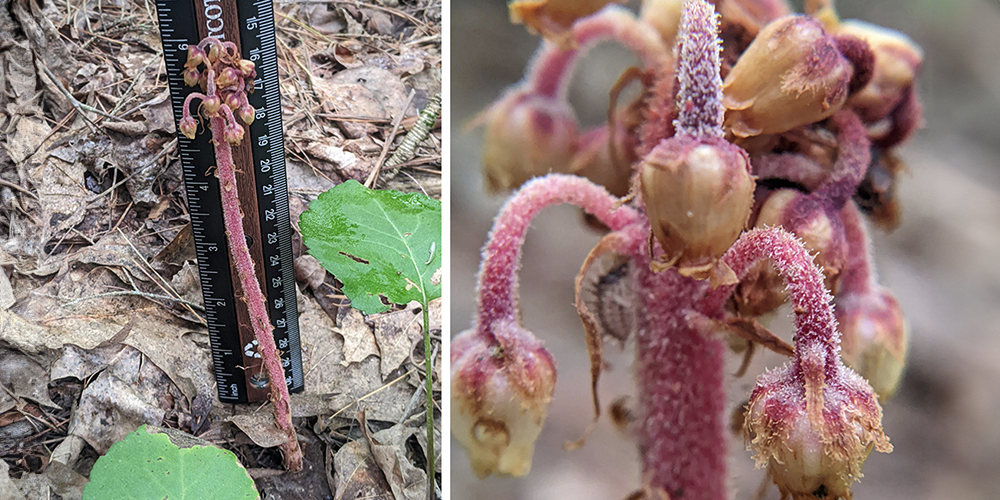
[
  {"x": 708, "y": 248},
  {"x": 227, "y": 74}
]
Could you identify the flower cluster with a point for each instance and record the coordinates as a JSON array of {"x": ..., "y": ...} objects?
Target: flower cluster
[
  {"x": 737, "y": 180},
  {"x": 225, "y": 79}
]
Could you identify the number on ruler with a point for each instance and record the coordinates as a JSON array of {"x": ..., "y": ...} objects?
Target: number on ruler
[
  {"x": 279, "y": 303},
  {"x": 262, "y": 140},
  {"x": 267, "y": 190},
  {"x": 265, "y": 165},
  {"x": 275, "y": 260},
  {"x": 276, "y": 282},
  {"x": 269, "y": 214},
  {"x": 280, "y": 323},
  {"x": 272, "y": 238}
]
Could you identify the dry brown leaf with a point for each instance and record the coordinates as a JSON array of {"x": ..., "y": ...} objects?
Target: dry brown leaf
[
  {"x": 345, "y": 164},
  {"x": 27, "y": 137},
  {"x": 260, "y": 427},
  {"x": 309, "y": 272},
  {"x": 344, "y": 386},
  {"x": 350, "y": 99},
  {"x": 357, "y": 474},
  {"x": 323, "y": 18},
  {"x": 23, "y": 377},
  {"x": 57, "y": 479},
  {"x": 388, "y": 447},
  {"x": 388, "y": 89},
  {"x": 395, "y": 333},
  {"x": 8, "y": 489},
  {"x": 359, "y": 342},
  {"x": 6, "y": 291},
  {"x": 127, "y": 394}
]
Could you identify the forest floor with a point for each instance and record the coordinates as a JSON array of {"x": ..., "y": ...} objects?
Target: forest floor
[{"x": 102, "y": 326}]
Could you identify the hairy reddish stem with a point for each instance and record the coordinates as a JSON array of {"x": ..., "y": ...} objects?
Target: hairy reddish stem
[
  {"x": 551, "y": 68},
  {"x": 679, "y": 371},
  {"x": 497, "y": 288},
  {"x": 815, "y": 325},
  {"x": 233, "y": 216},
  {"x": 858, "y": 276},
  {"x": 853, "y": 158}
]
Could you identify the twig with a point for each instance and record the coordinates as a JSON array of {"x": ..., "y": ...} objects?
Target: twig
[
  {"x": 166, "y": 148},
  {"x": 135, "y": 80},
  {"x": 370, "y": 394},
  {"x": 19, "y": 188},
  {"x": 162, "y": 283},
  {"x": 373, "y": 176},
  {"x": 81, "y": 107},
  {"x": 137, "y": 293}
]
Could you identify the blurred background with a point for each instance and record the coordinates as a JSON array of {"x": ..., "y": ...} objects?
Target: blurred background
[{"x": 942, "y": 263}]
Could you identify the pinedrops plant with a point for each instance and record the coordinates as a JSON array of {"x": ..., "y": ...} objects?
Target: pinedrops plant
[
  {"x": 385, "y": 247},
  {"x": 745, "y": 168},
  {"x": 224, "y": 77}
]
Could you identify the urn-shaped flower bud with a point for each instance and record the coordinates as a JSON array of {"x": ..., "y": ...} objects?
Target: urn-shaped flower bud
[
  {"x": 213, "y": 54},
  {"x": 604, "y": 163},
  {"x": 196, "y": 56},
  {"x": 664, "y": 16},
  {"x": 233, "y": 134},
  {"x": 234, "y": 100},
  {"x": 697, "y": 193},
  {"x": 226, "y": 78},
  {"x": 191, "y": 76},
  {"x": 500, "y": 398},
  {"x": 247, "y": 68},
  {"x": 820, "y": 232},
  {"x": 246, "y": 113},
  {"x": 791, "y": 75},
  {"x": 188, "y": 126},
  {"x": 526, "y": 136},
  {"x": 211, "y": 104},
  {"x": 897, "y": 60},
  {"x": 819, "y": 456},
  {"x": 875, "y": 337}
]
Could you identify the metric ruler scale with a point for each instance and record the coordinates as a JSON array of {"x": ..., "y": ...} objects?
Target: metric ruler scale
[{"x": 260, "y": 176}]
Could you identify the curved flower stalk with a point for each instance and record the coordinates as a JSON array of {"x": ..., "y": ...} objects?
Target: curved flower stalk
[
  {"x": 750, "y": 150},
  {"x": 224, "y": 77}
]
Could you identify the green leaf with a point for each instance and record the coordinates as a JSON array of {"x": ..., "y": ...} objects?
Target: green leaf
[
  {"x": 377, "y": 243},
  {"x": 149, "y": 464}
]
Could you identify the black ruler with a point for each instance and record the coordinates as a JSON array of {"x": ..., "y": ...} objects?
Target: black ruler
[{"x": 260, "y": 176}]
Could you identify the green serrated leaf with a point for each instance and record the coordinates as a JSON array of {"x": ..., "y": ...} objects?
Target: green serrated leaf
[
  {"x": 149, "y": 464},
  {"x": 376, "y": 242}
]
